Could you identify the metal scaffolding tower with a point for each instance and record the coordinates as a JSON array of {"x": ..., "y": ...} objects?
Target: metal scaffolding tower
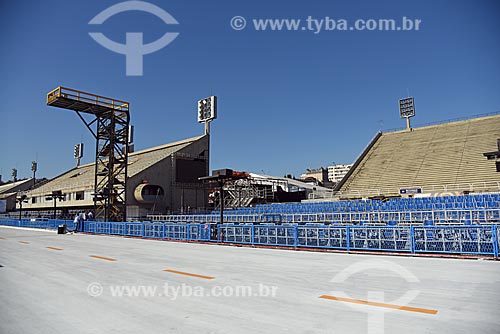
[{"x": 112, "y": 119}]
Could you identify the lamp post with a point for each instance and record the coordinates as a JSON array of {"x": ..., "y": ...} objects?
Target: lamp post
[
  {"x": 56, "y": 195},
  {"x": 21, "y": 199}
]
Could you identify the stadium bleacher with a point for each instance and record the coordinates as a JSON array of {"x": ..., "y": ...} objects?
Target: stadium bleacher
[
  {"x": 443, "y": 157},
  {"x": 465, "y": 209}
]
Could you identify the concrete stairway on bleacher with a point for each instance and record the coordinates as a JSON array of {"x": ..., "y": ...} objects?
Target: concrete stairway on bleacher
[{"x": 430, "y": 157}]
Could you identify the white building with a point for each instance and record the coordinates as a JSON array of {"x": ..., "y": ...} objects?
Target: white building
[
  {"x": 337, "y": 172},
  {"x": 319, "y": 175}
]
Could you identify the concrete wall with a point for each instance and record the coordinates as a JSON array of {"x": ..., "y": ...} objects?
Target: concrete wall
[{"x": 177, "y": 196}]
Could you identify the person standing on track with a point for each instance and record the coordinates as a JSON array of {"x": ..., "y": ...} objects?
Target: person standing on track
[{"x": 77, "y": 222}]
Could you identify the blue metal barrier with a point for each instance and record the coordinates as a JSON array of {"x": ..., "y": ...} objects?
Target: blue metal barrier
[
  {"x": 479, "y": 240},
  {"x": 380, "y": 238},
  {"x": 242, "y": 234},
  {"x": 274, "y": 235},
  {"x": 457, "y": 239},
  {"x": 322, "y": 236},
  {"x": 154, "y": 230},
  {"x": 199, "y": 232},
  {"x": 134, "y": 229}
]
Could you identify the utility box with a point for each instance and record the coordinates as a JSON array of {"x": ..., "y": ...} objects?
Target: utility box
[{"x": 61, "y": 229}]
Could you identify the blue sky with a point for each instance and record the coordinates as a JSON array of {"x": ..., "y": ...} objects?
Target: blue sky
[{"x": 288, "y": 100}]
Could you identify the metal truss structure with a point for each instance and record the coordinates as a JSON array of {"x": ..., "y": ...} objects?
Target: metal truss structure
[{"x": 111, "y": 118}]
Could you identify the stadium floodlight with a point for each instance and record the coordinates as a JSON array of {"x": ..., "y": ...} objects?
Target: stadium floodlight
[
  {"x": 78, "y": 153},
  {"x": 407, "y": 109},
  {"x": 34, "y": 167},
  {"x": 207, "y": 109}
]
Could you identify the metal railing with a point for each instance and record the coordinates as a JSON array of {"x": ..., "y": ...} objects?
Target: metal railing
[
  {"x": 475, "y": 240},
  {"x": 444, "y": 216},
  {"x": 85, "y": 97}
]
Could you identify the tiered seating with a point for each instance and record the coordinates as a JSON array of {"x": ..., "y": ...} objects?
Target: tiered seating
[
  {"x": 430, "y": 157},
  {"x": 450, "y": 210},
  {"x": 468, "y": 202}
]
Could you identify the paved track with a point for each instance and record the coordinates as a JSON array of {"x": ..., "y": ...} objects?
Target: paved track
[{"x": 46, "y": 290}]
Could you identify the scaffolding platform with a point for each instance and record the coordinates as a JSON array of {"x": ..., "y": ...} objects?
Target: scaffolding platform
[
  {"x": 110, "y": 127},
  {"x": 76, "y": 100}
]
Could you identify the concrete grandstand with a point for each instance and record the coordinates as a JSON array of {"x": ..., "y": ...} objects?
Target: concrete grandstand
[
  {"x": 439, "y": 158},
  {"x": 161, "y": 179}
]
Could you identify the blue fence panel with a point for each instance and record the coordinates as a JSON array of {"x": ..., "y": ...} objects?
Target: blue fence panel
[
  {"x": 241, "y": 234},
  {"x": 90, "y": 227},
  {"x": 176, "y": 231},
  {"x": 103, "y": 228},
  {"x": 380, "y": 238},
  {"x": 154, "y": 230},
  {"x": 10, "y": 222},
  {"x": 454, "y": 239},
  {"x": 198, "y": 232},
  {"x": 118, "y": 228},
  {"x": 274, "y": 235},
  {"x": 134, "y": 229},
  {"x": 497, "y": 238},
  {"x": 322, "y": 236}
]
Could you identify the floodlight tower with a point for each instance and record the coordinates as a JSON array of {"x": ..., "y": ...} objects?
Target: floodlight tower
[
  {"x": 34, "y": 166},
  {"x": 78, "y": 153},
  {"x": 407, "y": 110},
  {"x": 207, "y": 112},
  {"x": 111, "y": 118}
]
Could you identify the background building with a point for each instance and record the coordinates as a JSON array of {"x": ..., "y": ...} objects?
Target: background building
[
  {"x": 337, "y": 172},
  {"x": 316, "y": 176}
]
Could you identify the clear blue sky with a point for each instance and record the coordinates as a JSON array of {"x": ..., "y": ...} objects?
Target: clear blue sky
[{"x": 287, "y": 100}]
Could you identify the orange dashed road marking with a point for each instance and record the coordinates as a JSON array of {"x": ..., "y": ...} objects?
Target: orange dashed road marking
[
  {"x": 24, "y": 242},
  {"x": 54, "y": 248},
  {"x": 188, "y": 274},
  {"x": 103, "y": 258},
  {"x": 393, "y": 306}
]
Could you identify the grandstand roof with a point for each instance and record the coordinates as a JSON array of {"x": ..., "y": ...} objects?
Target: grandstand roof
[
  {"x": 444, "y": 157},
  {"x": 83, "y": 177},
  {"x": 11, "y": 186}
]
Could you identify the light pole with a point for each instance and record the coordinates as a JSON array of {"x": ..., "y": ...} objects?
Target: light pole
[
  {"x": 21, "y": 199},
  {"x": 56, "y": 195},
  {"x": 407, "y": 110},
  {"x": 34, "y": 166}
]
